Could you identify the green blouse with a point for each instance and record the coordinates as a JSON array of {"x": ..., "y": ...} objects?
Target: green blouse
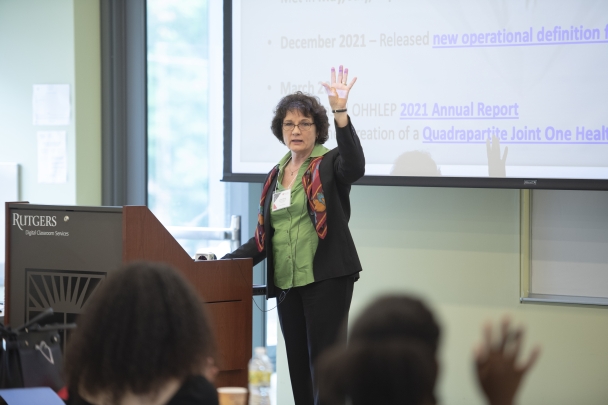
[{"x": 295, "y": 240}]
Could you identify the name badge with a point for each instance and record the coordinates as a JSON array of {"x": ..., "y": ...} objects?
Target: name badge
[{"x": 281, "y": 200}]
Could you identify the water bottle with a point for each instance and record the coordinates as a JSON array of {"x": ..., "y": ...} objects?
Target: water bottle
[{"x": 260, "y": 370}]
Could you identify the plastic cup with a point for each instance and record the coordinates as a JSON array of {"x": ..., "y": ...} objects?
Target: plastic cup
[{"x": 232, "y": 395}]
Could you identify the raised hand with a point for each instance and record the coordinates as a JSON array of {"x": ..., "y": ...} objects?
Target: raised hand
[
  {"x": 339, "y": 88},
  {"x": 498, "y": 371}
]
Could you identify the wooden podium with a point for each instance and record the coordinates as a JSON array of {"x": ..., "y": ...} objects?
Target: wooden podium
[{"x": 48, "y": 247}]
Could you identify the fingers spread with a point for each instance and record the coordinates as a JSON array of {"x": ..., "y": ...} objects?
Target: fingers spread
[
  {"x": 513, "y": 346},
  {"x": 338, "y": 86},
  {"x": 504, "y": 332},
  {"x": 487, "y": 334},
  {"x": 352, "y": 83},
  {"x": 533, "y": 357},
  {"x": 330, "y": 90}
]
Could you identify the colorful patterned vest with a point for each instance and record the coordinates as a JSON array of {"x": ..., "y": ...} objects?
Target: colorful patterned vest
[{"x": 316, "y": 200}]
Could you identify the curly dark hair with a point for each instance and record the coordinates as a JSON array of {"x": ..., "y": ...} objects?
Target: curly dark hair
[
  {"x": 390, "y": 358},
  {"x": 393, "y": 371},
  {"x": 309, "y": 106},
  {"x": 397, "y": 316},
  {"x": 145, "y": 325}
]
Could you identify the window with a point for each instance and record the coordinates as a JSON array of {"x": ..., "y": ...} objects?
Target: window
[
  {"x": 185, "y": 131},
  {"x": 184, "y": 161}
]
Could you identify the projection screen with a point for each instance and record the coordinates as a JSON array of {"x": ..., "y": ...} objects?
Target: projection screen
[{"x": 469, "y": 93}]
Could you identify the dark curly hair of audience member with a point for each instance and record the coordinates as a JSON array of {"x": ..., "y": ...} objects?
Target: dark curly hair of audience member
[
  {"x": 144, "y": 326},
  {"x": 309, "y": 106},
  {"x": 390, "y": 359},
  {"x": 397, "y": 316},
  {"x": 388, "y": 372}
]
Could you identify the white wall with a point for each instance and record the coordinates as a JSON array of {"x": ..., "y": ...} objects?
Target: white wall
[
  {"x": 52, "y": 42},
  {"x": 459, "y": 249}
]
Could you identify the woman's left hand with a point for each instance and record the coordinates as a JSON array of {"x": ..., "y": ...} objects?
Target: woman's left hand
[{"x": 339, "y": 89}]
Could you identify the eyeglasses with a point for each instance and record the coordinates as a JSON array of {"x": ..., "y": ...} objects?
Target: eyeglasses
[{"x": 303, "y": 126}]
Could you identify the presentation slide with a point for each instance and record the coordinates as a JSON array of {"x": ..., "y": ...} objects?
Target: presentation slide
[{"x": 469, "y": 88}]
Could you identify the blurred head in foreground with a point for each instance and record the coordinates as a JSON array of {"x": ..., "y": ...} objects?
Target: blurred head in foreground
[
  {"x": 144, "y": 327},
  {"x": 390, "y": 358}
]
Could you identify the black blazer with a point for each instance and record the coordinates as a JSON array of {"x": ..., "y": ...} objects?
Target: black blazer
[{"x": 336, "y": 255}]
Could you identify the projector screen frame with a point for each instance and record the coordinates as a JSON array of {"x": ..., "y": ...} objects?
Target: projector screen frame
[{"x": 407, "y": 181}]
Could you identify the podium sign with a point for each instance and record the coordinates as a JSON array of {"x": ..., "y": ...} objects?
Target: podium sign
[{"x": 58, "y": 257}]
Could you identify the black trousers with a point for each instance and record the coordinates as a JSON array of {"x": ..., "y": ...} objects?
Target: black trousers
[{"x": 311, "y": 319}]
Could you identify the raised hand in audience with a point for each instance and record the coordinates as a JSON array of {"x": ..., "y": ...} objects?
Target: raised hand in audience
[{"x": 498, "y": 370}]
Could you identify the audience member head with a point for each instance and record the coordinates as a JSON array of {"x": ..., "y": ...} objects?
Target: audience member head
[
  {"x": 390, "y": 358},
  {"x": 144, "y": 326},
  {"x": 396, "y": 316}
]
